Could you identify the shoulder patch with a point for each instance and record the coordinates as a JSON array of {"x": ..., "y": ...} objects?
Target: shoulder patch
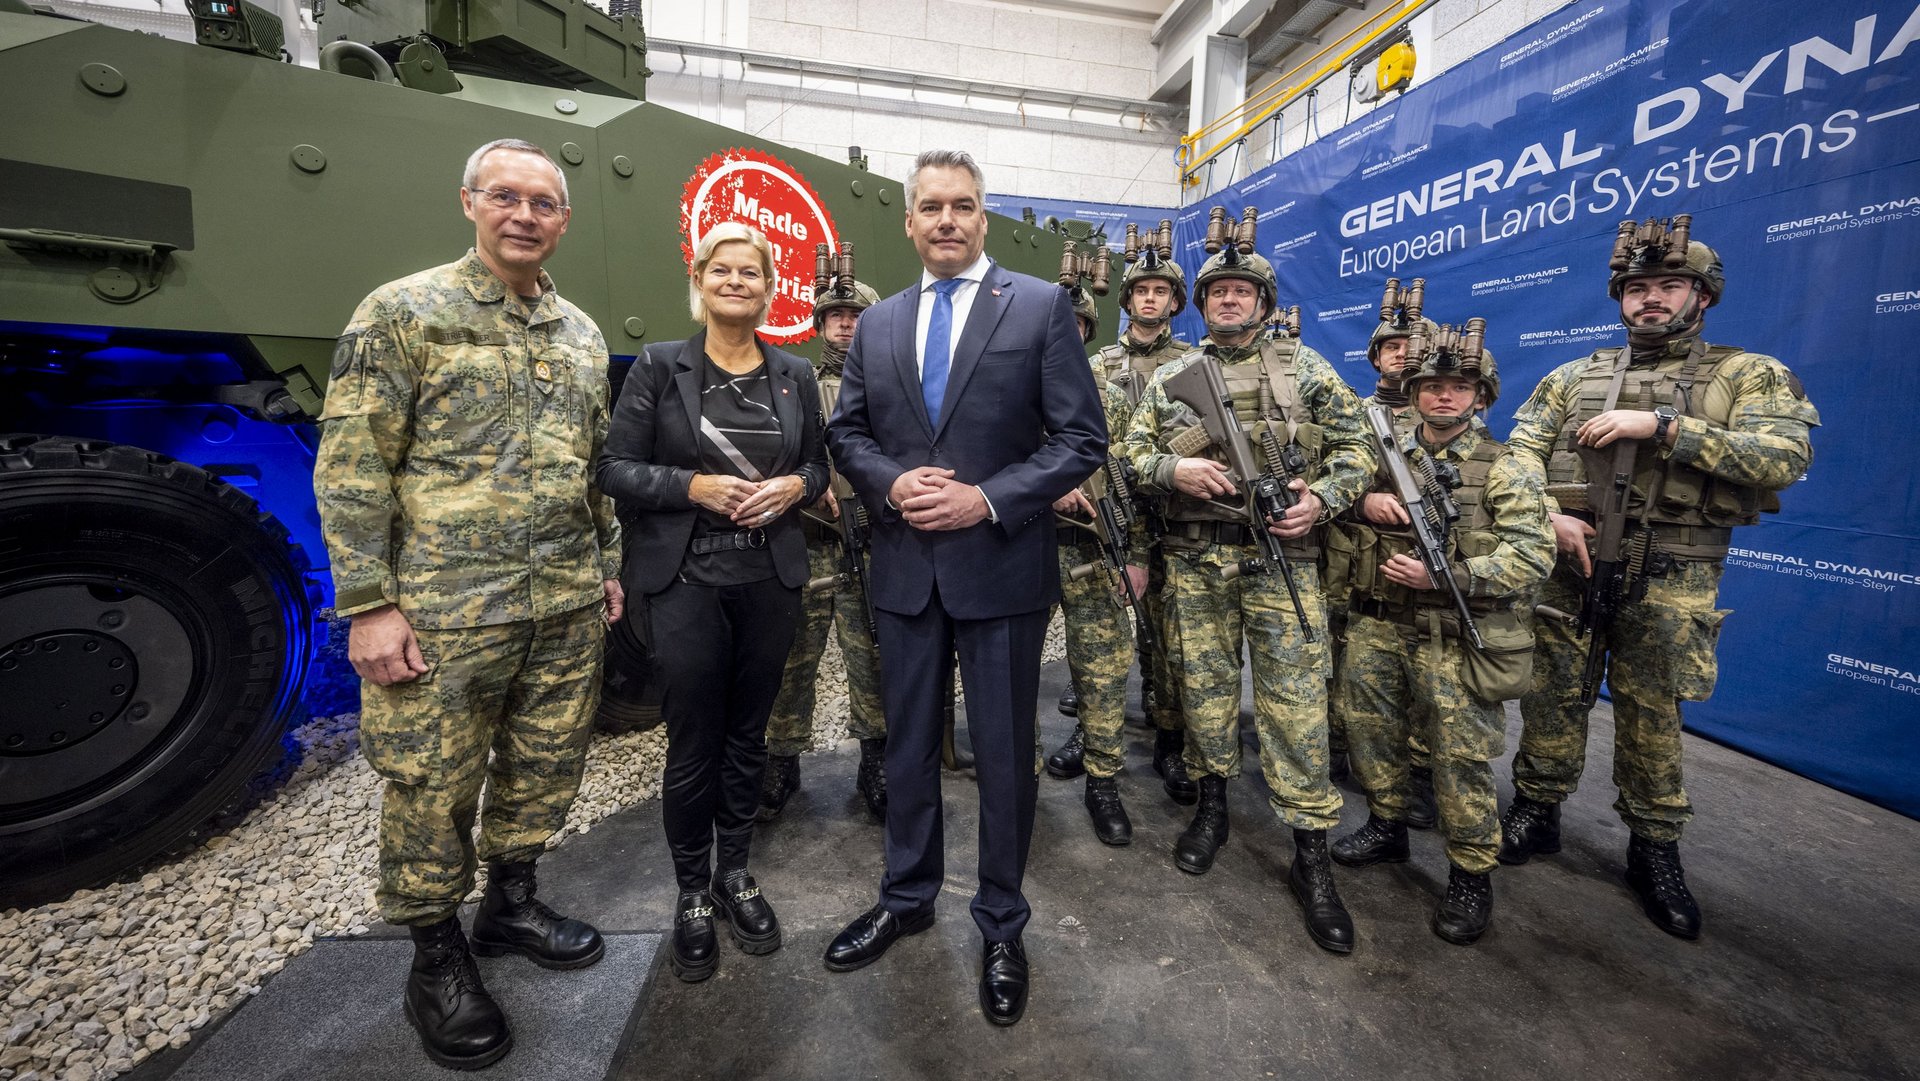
[{"x": 343, "y": 353}]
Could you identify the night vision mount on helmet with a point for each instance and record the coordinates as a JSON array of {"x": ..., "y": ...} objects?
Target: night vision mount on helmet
[
  {"x": 1084, "y": 275},
  {"x": 834, "y": 285},
  {"x": 1664, "y": 247},
  {"x": 1231, "y": 255},
  {"x": 1436, "y": 352},
  {"x": 1149, "y": 257},
  {"x": 1400, "y": 317}
]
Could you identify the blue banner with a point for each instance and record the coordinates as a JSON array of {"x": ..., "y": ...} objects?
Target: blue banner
[
  {"x": 1112, "y": 217},
  {"x": 1791, "y": 133}
]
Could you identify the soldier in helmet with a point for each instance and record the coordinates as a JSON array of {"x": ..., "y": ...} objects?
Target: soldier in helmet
[
  {"x": 1281, "y": 387},
  {"x": 1153, "y": 290},
  {"x": 1406, "y": 644},
  {"x": 1719, "y": 431},
  {"x": 838, "y": 300}
]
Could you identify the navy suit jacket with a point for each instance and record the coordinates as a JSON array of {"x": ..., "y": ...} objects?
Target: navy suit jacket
[{"x": 1021, "y": 419}]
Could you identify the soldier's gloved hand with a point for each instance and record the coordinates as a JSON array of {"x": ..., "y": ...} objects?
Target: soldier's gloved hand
[
  {"x": 1300, "y": 517},
  {"x": 383, "y": 648},
  {"x": 1201, "y": 478},
  {"x": 1571, "y": 535},
  {"x": 616, "y": 599},
  {"x": 1383, "y": 509}
]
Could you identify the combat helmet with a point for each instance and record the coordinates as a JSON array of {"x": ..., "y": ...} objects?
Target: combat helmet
[
  {"x": 1451, "y": 351},
  {"x": 1150, "y": 257},
  {"x": 1400, "y": 317},
  {"x": 1083, "y": 274},
  {"x": 1084, "y": 307},
  {"x": 1664, "y": 247},
  {"x": 1233, "y": 257},
  {"x": 834, "y": 285}
]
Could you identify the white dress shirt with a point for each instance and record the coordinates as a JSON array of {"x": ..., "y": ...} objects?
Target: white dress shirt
[{"x": 962, "y": 306}]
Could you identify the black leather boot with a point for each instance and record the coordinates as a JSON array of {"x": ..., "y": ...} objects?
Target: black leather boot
[
  {"x": 695, "y": 949},
  {"x": 1070, "y": 760},
  {"x": 1312, "y": 880},
  {"x": 1466, "y": 910},
  {"x": 1070, "y": 701},
  {"x": 1421, "y": 812},
  {"x": 1653, "y": 870},
  {"x": 511, "y": 920},
  {"x": 1381, "y": 840},
  {"x": 1529, "y": 829},
  {"x": 871, "y": 782},
  {"x": 1110, "y": 822},
  {"x": 1339, "y": 767},
  {"x": 777, "y": 785},
  {"x": 1196, "y": 846},
  {"x": 750, "y": 919},
  {"x": 459, "y": 1023},
  {"x": 1170, "y": 763}
]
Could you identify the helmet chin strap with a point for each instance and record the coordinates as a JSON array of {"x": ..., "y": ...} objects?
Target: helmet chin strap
[
  {"x": 1443, "y": 422},
  {"x": 1154, "y": 323},
  {"x": 1685, "y": 321},
  {"x": 1233, "y": 330}
]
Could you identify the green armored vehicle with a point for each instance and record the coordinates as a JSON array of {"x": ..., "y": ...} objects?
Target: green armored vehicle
[{"x": 183, "y": 231}]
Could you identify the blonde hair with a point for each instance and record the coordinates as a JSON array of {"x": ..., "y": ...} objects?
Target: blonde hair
[{"x": 728, "y": 232}]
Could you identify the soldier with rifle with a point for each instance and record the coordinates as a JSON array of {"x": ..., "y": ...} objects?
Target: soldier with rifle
[
  {"x": 1254, "y": 442},
  {"x": 836, "y": 532},
  {"x": 1444, "y": 557},
  {"x": 1153, "y": 290},
  {"x": 1655, "y": 452}
]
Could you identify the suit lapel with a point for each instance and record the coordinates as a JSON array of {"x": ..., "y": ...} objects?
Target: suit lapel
[
  {"x": 786, "y": 410},
  {"x": 906, "y": 361},
  {"x": 990, "y": 300},
  {"x": 687, "y": 379}
]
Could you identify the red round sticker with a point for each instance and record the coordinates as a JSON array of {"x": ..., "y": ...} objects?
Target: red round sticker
[{"x": 760, "y": 190}]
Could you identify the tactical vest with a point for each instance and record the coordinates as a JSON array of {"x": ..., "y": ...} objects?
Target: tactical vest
[
  {"x": 1266, "y": 396},
  {"x": 1693, "y": 511},
  {"x": 1130, "y": 371},
  {"x": 1371, "y": 545}
]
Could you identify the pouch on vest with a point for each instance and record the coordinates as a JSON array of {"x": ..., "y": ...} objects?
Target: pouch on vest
[
  {"x": 1504, "y": 669},
  {"x": 1350, "y": 561}
]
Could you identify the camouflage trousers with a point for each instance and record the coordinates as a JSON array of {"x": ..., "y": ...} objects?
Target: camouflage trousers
[
  {"x": 1391, "y": 675},
  {"x": 1418, "y": 754},
  {"x": 1212, "y": 616},
  {"x": 1163, "y": 664},
  {"x": 1660, "y": 652},
  {"x": 507, "y": 707},
  {"x": 790, "y": 727},
  {"x": 1099, "y": 653}
]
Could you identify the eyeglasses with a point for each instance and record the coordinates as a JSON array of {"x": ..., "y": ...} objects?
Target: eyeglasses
[{"x": 508, "y": 199}]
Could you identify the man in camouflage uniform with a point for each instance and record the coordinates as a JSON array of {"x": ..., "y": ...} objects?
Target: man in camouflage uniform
[
  {"x": 1153, "y": 290},
  {"x": 836, "y": 311},
  {"x": 476, "y": 559},
  {"x": 1284, "y": 387},
  {"x": 1721, "y": 430},
  {"x": 1406, "y": 647}
]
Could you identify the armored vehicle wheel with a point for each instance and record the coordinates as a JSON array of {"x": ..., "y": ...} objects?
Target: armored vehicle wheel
[
  {"x": 630, "y": 695},
  {"x": 154, "y": 631}
]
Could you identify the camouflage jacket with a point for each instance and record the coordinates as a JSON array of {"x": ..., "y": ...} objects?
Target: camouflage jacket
[
  {"x": 455, "y": 469},
  {"x": 1346, "y": 459}
]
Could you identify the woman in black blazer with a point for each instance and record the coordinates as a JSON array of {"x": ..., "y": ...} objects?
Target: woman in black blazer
[{"x": 714, "y": 445}]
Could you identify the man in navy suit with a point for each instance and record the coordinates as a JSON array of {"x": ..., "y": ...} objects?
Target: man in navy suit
[{"x": 966, "y": 409}]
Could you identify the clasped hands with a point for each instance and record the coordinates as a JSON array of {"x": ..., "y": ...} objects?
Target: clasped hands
[
  {"x": 930, "y": 499},
  {"x": 748, "y": 503}
]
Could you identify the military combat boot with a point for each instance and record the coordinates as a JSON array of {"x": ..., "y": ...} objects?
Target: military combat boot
[
  {"x": 695, "y": 951},
  {"x": 1421, "y": 812},
  {"x": 512, "y": 920},
  {"x": 1194, "y": 849},
  {"x": 1169, "y": 761},
  {"x": 1110, "y": 822},
  {"x": 1653, "y": 870},
  {"x": 1312, "y": 880},
  {"x": 1466, "y": 910},
  {"x": 871, "y": 782},
  {"x": 1381, "y": 840},
  {"x": 459, "y": 1023},
  {"x": 750, "y": 919},
  {"x": 1070, "y": 701},
  {"x": 777, "y": 785},
  {"x": 1529, "y": 829},
  {"x": 1070, "y": 760},
  {"x": 1339, "y": 766}
]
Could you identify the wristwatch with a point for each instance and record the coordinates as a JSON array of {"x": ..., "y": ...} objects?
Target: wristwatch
[{"x": 1663, "y": 419}]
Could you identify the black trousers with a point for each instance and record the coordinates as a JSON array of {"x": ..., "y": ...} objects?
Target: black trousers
[
  {"x": 720, "y": 652},
  {"x": 1000, "y": 671}
]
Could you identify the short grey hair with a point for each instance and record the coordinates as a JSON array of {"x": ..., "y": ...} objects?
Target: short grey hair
[
  {"x": 945, "y": 159},
  {"x": 471, "y": 178},
  {"x": 729, "y": 232}
]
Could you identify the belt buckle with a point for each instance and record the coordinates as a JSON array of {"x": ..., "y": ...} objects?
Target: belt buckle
[{"x": 753, "y": 539}]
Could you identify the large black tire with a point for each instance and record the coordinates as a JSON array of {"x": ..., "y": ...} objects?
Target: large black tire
[{"x": 154, "y": 631}]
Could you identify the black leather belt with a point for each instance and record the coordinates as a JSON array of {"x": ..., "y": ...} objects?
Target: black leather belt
[{"x": 742, "y": 540}]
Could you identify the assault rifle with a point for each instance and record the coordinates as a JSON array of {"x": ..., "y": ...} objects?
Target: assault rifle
[
  {"x": 1113, "y": 513},
  {"x": 1433, "y": 511},
  {"x": 1264, "y": 492},
  {"x": 855, "y": 536}
]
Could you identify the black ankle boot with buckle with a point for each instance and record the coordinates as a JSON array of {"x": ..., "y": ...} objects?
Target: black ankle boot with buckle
[
  {"x": 695, "y": 949},
  {"x": 460, "y": 1025},
  {"x": 512, "y": 920},
  {"x": 750, "y": 919}
]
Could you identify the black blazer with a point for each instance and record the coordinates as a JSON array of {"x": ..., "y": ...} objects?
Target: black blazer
[
  {"x": 1022, "y": 419},
  {"x": 652, "y": 453}
]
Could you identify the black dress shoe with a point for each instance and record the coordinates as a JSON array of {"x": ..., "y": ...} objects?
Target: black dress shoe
[
  {"x": 1003, "y": 982},
  {"x": 1070, "y": 760},
  {"x": 869, "y": 935},
  {"x": 696, "y": 952},
  {"x": 750, "y": 919},
  {"x": 460, "y": 1025},
  {"x": 1110, "y": 821},
  {"x": 512, "y": 920}
]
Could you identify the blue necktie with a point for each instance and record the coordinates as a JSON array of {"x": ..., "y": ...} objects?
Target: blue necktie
[{"x": 933, "y": 372}]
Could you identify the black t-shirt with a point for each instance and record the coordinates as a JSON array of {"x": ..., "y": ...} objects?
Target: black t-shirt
[{"x": 739, "y": 437}]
